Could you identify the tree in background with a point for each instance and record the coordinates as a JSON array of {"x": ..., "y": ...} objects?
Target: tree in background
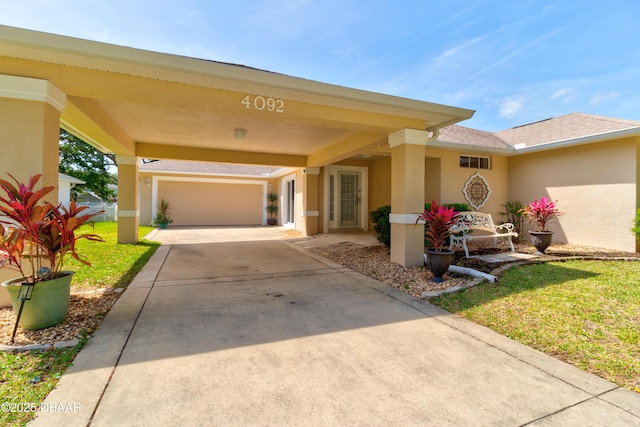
[{"x": 83, "y": 161}]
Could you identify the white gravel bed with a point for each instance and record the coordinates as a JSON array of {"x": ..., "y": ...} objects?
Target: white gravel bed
[{"x": 375, "y": 262}]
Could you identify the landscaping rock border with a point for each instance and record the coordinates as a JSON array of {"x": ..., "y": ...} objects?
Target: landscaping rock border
[{"x": 86, "y": 311}]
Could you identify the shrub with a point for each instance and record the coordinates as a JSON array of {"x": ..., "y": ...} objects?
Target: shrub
[
  {"x": 514, "y": 213},
  {"x": 541, "y": 212},
  {"x": 636, "y": 228},
  {"x": 438, "y": 220},
  {"x": 458, "y": 207},
  {"x": 381, "y": 225}
]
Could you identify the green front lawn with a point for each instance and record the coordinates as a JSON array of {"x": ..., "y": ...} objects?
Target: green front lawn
[
  {"x": 586, "y": 313},
  {"x": 29, "y": 377},
  {"x": 112, "y": 265}
]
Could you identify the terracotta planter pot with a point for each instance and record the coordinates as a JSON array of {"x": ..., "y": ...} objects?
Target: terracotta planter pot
[
  {"x": 541, "y": 240},
  {"x": 48, "y": 305},
  {"x": 438, "y": 263}
]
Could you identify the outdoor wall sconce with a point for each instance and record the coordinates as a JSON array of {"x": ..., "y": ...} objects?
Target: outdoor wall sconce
[
  {"x": 147, "y": 182},
  {"x": 240, "y": 133}
]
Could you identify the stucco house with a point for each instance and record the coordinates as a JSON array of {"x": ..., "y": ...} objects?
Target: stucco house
[
  {"x": 65, "y": 184},
  {"x": 227, "y": 135}
]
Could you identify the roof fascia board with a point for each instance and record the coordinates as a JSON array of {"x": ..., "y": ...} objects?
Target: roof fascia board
[
  {"x": 470, "y": 148},
  {"x": 589, "y": 139},
  {"x": 161, "y": 151},
  {"x": 236, "y": 73},
  {"x": 176, "y": 172}
]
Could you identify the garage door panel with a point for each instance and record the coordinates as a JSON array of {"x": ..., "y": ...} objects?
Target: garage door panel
[{"x": 203, "y": 203}]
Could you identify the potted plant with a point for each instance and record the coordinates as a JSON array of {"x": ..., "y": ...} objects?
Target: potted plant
[
  {"x": 163, "y": 218},
  {"x": 540, "y": 213},
  {"x": 438, "y": 222},
  {"x": 35, "y": 239},
  {"x": 272, "y": 208}
]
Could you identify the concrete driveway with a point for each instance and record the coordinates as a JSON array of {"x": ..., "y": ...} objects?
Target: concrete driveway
[{"x": 263, "y": 332}]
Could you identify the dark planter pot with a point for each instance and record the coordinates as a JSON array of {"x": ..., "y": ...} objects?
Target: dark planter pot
[
  {"x": 272, "y": 221},
  {"x": 162, "y": 225},
  {"x": 48, "y": 305},
  {"x": 438, "y": 263},
  {"x": 541, "y": 240}
]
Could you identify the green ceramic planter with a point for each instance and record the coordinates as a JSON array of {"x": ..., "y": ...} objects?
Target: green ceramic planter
[{"x": 48, "y": 305}]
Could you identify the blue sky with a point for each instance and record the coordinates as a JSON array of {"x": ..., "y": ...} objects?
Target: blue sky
[{"x": 515, "y": 62}]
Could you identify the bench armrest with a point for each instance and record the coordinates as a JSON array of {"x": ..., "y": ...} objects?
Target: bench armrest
[{"x": 507, "y": 227}]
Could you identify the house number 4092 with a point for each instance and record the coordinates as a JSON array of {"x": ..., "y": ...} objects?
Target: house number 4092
[{"x": 263, "y": 103}]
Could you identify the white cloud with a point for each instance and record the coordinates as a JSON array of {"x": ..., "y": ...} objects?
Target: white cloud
[
  {"x": 560, "y": 93},
  {"x": 454, "y": 50},
  {"x": 602, "y": 97},
  {"x": 510, "y": 108},
  {"x": 564, "y": 95}
]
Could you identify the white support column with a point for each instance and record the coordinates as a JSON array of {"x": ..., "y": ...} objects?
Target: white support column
[
  {"x": 29, "y": 138},
  {"x": 30, "y": 122},
  {"x": 407, "y": 195}
]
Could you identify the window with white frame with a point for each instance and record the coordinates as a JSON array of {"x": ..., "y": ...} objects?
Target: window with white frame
[{"x": 475, "y": 162}]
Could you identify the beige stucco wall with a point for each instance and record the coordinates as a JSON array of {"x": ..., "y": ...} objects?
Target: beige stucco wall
[
  {"x": 595, "y": 186},
  {"x": 453, "y": 178},
  {"x": 379, "y": 183},
  {"x": 444, "y": 180}
]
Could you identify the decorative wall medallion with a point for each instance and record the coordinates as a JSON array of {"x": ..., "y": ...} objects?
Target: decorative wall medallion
[{"x": 476, "y": 190}]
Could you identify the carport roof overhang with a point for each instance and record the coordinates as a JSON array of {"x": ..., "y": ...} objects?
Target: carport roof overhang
[{"x": 154, "y": 105}]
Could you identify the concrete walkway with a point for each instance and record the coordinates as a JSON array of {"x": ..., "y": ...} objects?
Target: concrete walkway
[{"x": 257, "y": 330}]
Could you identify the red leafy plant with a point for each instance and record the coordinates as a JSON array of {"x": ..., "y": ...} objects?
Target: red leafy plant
[
  {"x": 438, "y": 222},
  {"x": 36, "y": 236},
  {"x": 541, "y": 212}
]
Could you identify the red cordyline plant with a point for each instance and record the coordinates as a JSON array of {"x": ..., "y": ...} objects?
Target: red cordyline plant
[
  {"x": 541, "y": 212},
  {"x": 35, "y": 233},
  {"x": 438, "y": 221}
]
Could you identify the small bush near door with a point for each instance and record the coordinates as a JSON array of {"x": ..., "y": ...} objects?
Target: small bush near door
[{"x": 381, "y": 225}]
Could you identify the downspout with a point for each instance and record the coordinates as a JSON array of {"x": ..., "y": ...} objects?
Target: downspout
[{"x": 435, "y": 134}]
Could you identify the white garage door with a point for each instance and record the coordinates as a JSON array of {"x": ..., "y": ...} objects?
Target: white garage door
[{"x": 205, "y": 203}]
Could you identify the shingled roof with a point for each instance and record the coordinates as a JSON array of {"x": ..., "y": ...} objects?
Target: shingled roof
[
  {"x": 571, "y": 126},
  {"x": 564, "y": 128},
  {"x": 462, "y": 135}
]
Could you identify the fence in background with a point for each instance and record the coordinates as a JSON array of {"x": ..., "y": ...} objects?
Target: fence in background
[{"x": 109, "y": 209}]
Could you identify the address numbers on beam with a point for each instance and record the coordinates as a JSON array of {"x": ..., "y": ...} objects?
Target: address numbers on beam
[{"x": 263, "y": 103}]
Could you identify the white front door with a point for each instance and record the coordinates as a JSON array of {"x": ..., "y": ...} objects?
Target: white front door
[
  {"x": 349, "y": 196},
  {"x": 345, "y": 197}
]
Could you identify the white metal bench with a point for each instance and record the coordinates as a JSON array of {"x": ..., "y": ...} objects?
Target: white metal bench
[{"x": 467, "y": 223}]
